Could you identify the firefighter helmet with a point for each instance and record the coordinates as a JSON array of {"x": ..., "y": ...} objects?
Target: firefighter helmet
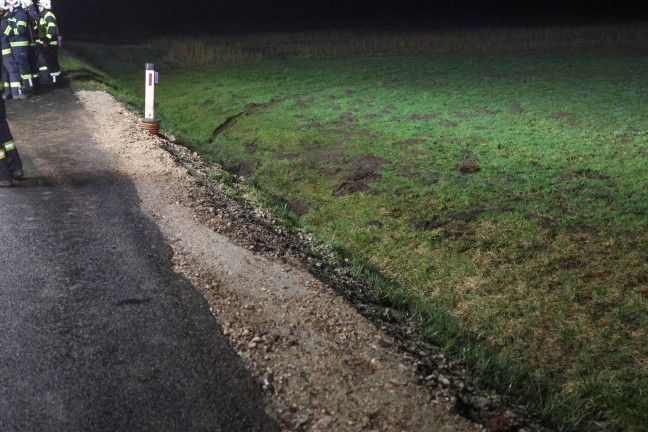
[
  {"x": 26, "y": 3},
  {"x": 47, "y": 4}
]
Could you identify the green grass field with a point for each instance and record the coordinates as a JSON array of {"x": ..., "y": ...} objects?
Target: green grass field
[{"x": 507, "y": 193}]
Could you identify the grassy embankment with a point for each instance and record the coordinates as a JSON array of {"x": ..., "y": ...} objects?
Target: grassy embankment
[{"x": 506, "y": 191}]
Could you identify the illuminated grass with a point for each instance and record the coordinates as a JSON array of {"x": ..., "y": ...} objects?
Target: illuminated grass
[{"x": 503, "y": 199}]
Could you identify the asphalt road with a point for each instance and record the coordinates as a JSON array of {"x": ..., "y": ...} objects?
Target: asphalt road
[{"x": 97, "y": 332}]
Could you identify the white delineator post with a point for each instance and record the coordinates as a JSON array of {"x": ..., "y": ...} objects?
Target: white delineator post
[
  {"x": 149, "y": 97},
  {"x": 149, "y": 122}
]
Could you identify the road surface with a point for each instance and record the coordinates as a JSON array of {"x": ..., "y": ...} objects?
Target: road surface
[{"x": 97, "y": 332}]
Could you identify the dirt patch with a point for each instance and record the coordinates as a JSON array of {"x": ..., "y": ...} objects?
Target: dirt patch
[
  {"x": 374, "y": 224},
  {"x": 243, "y": 168},
  {"x": 251, "y": 147},
  {"x": 582, "y": 229},
  {"x": 408, "y": 143},
  {"x": 448, "y": 124},
  {"x": 430, "y": 224},
  {"x": 436, "y": 222},
  {"x": 346, "y": 118},
  {"x": 468, "y": 164},
  {"x": 595, "y": 175},
  {"x": 387, "y": 110},
  {"x": 543, "y": 221},
  {"x": 291, "y": 310},
  {"x": 208, "y": 102},
  {"x": 350, "y": 187},
  {"x": 517, "y": 109},
  {"x": 432, "y": 178},
  {"x": 636, "y": 280},
  {"x": 303, "y": 103},
  {"x": 466, "y": 216},
  {"x": 363, "y": 174},
  {"x": 371, "y": 162},
  {"x": 357, "y": 181},
  {"x": 298, "y": 206},
  {"x": 486, "y": 111},
  {"x": 571, "y": 264}
]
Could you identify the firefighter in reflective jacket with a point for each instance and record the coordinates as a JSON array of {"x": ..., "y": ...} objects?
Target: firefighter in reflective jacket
[
  {"x": 18, "y": 34},
  {"x": 10, "y": 74},
  {"x": 10, "y": 163},
  {"x": 48, "y": 39}
]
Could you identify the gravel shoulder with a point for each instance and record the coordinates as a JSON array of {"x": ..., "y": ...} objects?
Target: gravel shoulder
[{"x": 296, "y": 322}]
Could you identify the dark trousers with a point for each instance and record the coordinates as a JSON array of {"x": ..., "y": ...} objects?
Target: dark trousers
[
  {"x": 42, "y": 64},
  {"x": 52, "y": 61},
  {"x": 21, "y": 56},
  {"x": 14, "y": 76},
  {"x": 33, "y": 65}
]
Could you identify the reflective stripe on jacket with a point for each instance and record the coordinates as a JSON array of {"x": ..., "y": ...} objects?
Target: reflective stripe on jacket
[
  {"x": 17, "y": 30},
  {"x": 47, "y": 27}
]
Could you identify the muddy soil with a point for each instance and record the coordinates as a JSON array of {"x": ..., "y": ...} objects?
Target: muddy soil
[{"x": 322, "y": 346}]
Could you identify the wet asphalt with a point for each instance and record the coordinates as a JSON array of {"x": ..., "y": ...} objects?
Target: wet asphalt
[{"x": 97, "y": 332}]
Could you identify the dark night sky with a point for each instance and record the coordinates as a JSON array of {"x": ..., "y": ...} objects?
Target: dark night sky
[{"x": 165, "y": 17}]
